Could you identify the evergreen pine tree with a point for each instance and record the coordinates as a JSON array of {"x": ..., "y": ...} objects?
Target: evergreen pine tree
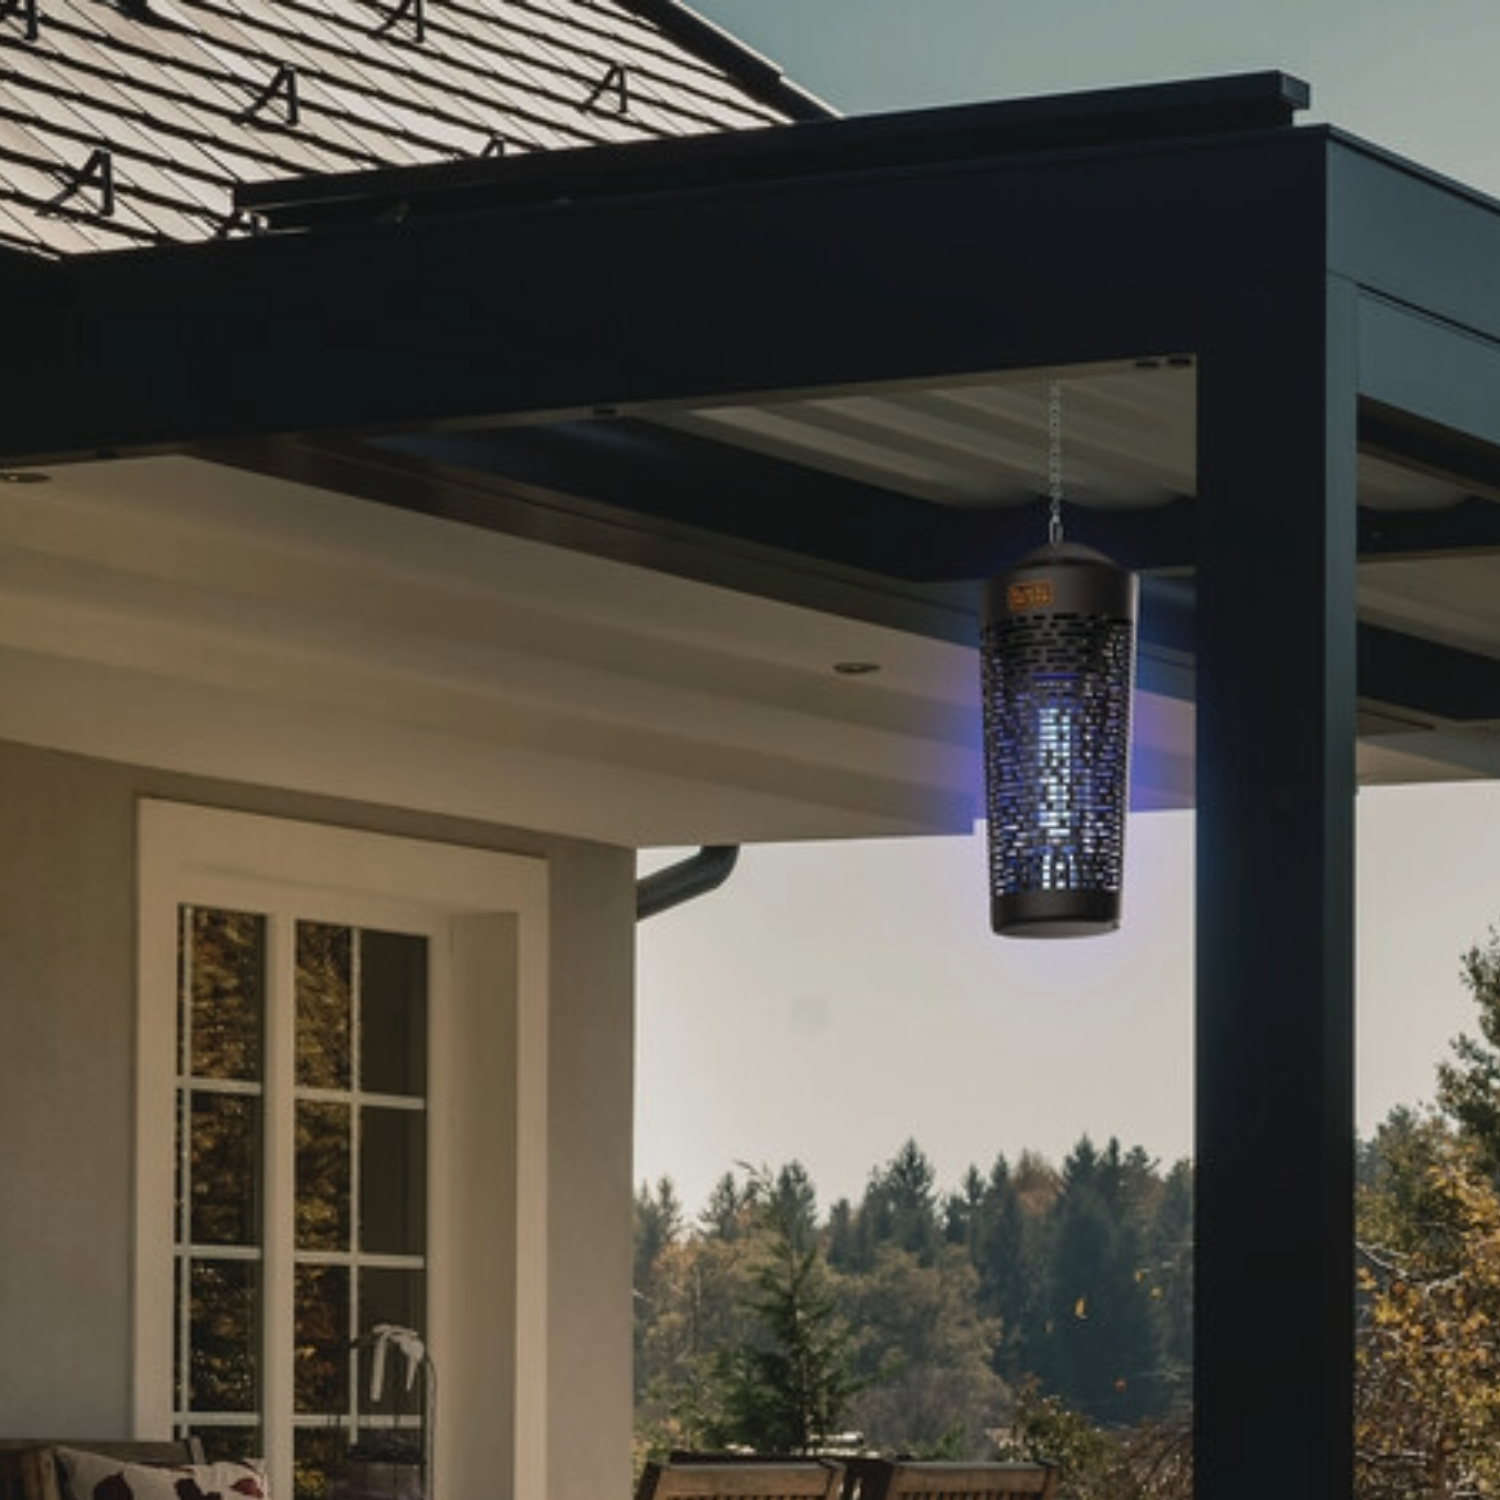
[
  {"x": 843, "y": 1237},
  {"x": 1101, "y": 1351},
  {"x": 723, "y": 1217},
  {"x": 900, "y": 1207},
  {"x": 788, "y": 1387},
  {"x": 1469, "y": 1086},
  {"x": 1011, "y": 1278}
]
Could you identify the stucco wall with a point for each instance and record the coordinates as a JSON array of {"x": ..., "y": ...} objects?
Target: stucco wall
[
  {"x": 67, "y": 968},
  {"x": 67, "y": 1044},
  {"x": 592, "y": 1115}
]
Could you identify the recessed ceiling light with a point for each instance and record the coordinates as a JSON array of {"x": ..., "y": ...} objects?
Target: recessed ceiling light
[
  {"x": 856, "y": 668},
  {"x": 23, "y": 476}
]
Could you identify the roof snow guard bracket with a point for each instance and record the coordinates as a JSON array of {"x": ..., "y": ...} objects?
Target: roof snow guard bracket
[
  {"x": 283, "y": 85},
  {"x": 27, "y": 10},
  {"x": 97, "y": 172},
  {"x": 615, "y": 82},
  {"x": 413, "y": 9}
]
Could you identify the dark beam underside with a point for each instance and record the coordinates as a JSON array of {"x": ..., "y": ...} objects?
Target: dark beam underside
[{"x": 658, "y": 474}]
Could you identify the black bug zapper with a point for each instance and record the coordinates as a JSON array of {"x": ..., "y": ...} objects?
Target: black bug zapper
[{"x": 1057, "y": 651}]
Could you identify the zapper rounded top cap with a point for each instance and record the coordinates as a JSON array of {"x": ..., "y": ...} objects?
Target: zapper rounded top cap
[
  {"x": 1064, "y": 554},
  {"x": 1066, "y": 577}
]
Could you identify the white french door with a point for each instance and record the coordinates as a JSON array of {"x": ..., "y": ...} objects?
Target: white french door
[{"x": 342, "y": 1115}]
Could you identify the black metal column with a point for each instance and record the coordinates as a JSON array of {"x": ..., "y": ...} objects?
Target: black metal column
[{"x": 1275, "y": 892}]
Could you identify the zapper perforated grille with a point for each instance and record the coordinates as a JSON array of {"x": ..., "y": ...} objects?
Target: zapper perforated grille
[{"x": 1056, "y": 689}]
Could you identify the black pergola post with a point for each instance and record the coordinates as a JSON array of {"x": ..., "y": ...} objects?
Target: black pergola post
[{"x": 1275, "y": 892}]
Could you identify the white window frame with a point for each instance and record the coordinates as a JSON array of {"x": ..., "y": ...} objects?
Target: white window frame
[{"x": 485, "y": 917}]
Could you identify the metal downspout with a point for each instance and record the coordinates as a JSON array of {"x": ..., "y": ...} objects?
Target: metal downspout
[{"x": 690, "y": 878}]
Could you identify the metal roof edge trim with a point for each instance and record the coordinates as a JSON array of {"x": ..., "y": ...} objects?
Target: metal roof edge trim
[
  {"x": 1358, "y": 145},
  {"x": 752, "y": 70},
  {"x": 1180, "y": 111}
]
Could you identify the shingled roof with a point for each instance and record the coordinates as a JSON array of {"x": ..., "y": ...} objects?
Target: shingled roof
[{"x": 130, "y": 122}]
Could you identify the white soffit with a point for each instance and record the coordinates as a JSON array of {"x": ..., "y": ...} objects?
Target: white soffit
[
  {"x": 170, "y": 612},
  {"x": 175, "y": 613}
]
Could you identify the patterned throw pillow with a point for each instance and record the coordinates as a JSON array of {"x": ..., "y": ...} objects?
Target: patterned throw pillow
[{"x": 92, "y": 1476}]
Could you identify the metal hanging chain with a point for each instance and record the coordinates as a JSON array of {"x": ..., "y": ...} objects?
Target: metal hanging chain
[{"x": 1054, "y": 465}]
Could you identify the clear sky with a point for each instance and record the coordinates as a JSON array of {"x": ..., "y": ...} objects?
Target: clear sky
[
  {"x": 1416, "y": 76},
  {"x": 831, "y": 1001}
]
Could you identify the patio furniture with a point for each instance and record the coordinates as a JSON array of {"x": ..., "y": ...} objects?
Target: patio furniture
[
  {"x": 742, "y": 1479},
  {"x": 28, "y": 1466},
  {"x": 883, "y": 1479}
]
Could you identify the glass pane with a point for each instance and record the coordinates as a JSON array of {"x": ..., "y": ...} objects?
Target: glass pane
[
  {"x": 319, "y": 1456},
  {"x": 225, "y": 1444},
  {"x": 395, "y": 1297},
  {"x": 393, "y": 1421},
  {"x": 224, "y": 1331},
  {"x": 323, "y": 1176},
  {"x": 224, "y": 1169},
  {"x": 391, "y": 1425},
  {"x": 393, "y": 1013},
  {"x": 324, "y": 1005},
  {"x": 224, "y": 979},
  {"x": 393, "y": 1181},
  {"x": 321, "y": 1380}
]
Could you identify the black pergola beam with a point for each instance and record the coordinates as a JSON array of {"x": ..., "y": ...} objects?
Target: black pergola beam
[
  {"x": 1404, "y": 439},
  {"x": 1471, "y": 526},
  {"x": 1423, "y": 252},
  {"x": 660, "y": 475},
  {"x": 1427, "y": 677},
  {"x": 553, "y": 309},
  {"x": 918, "y": 140},
  {"x": 1432, "y": 371},
  {"x": 1274, "y": 1303},
  {"x": 663, "y": 476}
]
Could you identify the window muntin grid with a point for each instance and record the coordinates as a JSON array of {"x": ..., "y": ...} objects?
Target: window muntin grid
[{"x": 301, "y": 1175}]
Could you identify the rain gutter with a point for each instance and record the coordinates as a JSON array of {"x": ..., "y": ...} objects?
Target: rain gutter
[{"x": 688, "y": 879}]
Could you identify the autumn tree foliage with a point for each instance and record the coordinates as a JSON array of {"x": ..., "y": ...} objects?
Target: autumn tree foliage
[
  {"x": 1428, "y": 1381},
  {"x": 912, "y": 1317},
  {"x": 924, "y": 1353},
  {"x": 1151, "y": 1460},
  {"x": 1428, "y": 1387}
]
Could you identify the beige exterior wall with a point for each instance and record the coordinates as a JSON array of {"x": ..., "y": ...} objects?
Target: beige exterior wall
[{"x": 67, "y": 1105}]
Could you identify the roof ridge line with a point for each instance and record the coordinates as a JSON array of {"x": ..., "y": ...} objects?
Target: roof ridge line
[{"x": 754, "y": 71}]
